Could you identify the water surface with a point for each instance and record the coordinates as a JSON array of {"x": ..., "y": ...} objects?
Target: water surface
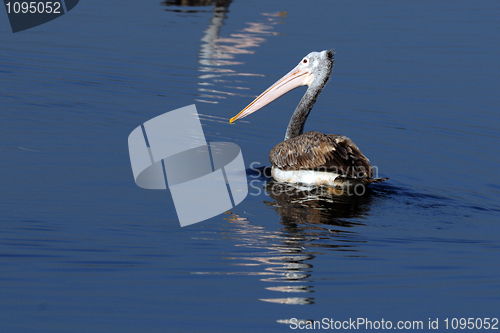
[{"x": 414, "y": 85}]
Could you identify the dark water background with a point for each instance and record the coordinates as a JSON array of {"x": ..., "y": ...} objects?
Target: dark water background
[{"x": 415, "y": 85}]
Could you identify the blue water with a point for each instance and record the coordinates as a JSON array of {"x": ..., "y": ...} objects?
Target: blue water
[{"x": 415, "y": 85}]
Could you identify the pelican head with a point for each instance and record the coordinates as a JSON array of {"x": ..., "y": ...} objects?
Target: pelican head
[{"x": 313, "y": 70}]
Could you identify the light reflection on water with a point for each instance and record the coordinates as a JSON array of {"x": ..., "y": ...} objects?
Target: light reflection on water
[
  {"x": 311, "y": 225},
  {"x": 218, "y": 78}
]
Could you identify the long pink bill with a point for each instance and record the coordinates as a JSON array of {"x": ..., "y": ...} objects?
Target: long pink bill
[{"x": 295, "y": 78}]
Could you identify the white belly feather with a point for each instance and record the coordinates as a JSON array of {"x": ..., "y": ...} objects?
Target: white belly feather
[{"x": 308, "y": 177}]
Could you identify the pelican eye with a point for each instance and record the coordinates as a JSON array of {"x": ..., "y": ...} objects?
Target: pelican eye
[{"x": 304, "y": 61}]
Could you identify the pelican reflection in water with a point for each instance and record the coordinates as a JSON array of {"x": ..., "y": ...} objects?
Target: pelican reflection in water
[
  {"x": 312, "y": 158},
  {"x": 311, "y": 226}
]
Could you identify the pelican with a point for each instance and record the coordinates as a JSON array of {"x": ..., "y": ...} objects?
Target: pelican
[{"x": 312, "y": 158}]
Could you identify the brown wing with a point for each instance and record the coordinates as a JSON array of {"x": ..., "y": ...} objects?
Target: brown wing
[{"x": 318, "y": 151}]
